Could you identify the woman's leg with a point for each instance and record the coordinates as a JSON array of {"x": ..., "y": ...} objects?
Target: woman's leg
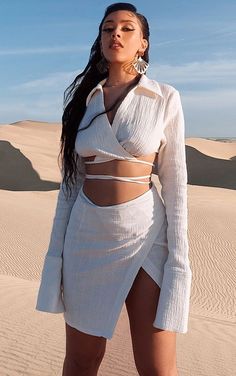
[
  {"x": 154, "y": 349},
  {"x": 84, "y": 353}
]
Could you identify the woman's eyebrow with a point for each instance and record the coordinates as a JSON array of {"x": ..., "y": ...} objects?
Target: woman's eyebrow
[{"x": 120, "y": 21}]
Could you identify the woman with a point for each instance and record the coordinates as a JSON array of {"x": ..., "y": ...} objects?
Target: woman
[{"x": 114, "y": 239}]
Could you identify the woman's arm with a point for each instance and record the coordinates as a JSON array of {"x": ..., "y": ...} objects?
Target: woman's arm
[
  {"x": 50, "y": 291},
  {"x": 173, "y": 307},
  {"x": 62, "y": 213}
]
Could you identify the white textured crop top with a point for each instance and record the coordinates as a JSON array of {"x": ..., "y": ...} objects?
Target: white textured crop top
[
  {"x": 118, "y": 131},
  {"x": 138, "y": 127},
  {"x": 129, "y": 135}
]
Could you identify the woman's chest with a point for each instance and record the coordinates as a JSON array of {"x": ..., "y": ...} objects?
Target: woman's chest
[
  {"x": 112, "y": 100},
  {"x": 137, "y": 125}
]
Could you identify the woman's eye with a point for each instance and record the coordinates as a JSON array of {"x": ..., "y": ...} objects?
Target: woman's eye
[
  {"x": 107, "y": 29},
  {"x": 110, "y": 29},
  {"x": 127, "y": 29}
]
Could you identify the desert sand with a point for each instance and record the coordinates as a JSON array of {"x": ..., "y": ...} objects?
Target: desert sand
[{"x": 33, "y": 342}]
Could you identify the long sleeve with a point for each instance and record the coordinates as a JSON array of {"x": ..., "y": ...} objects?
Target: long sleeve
[
  {"x": 173, "y": 307},
  {"x": 50, "y": 291}
]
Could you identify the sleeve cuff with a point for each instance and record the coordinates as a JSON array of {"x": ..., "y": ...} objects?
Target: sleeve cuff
[
  {"x": 50, "y": 291},
  {"x": 173, "y": 307}
]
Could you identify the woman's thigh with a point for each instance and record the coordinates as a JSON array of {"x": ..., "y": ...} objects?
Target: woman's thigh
[{"x": 154, "y": 349}]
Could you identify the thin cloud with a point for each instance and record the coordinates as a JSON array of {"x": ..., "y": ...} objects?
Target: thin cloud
[
  {"x": 210, "y": 34},
  {"x": 209, "y": 114},
  {"x": 53, "y": 81},
  {"x": 225, "y": 31},
  {"x": 205, "y": 73},
  {"x": 43, "y": 50},
  {"x": 167, "y": 42},
  {"x": 211, "y": 100}
]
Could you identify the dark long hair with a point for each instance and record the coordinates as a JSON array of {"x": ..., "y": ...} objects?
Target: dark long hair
[{"x": 75, "y": 96}]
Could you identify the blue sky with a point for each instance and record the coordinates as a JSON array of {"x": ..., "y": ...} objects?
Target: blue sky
[{"x": 43, "y": 46}]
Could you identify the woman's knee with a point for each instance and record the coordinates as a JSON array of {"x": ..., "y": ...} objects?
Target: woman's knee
[
  {"x": 82, "y": 366},
  {"x": 85, "y": 361},
  {"x": 153, "y": 360},
  {"x": 84, "y": 352}
]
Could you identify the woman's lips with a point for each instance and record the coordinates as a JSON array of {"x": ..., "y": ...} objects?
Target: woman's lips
[{"x": 116, "y": 45}]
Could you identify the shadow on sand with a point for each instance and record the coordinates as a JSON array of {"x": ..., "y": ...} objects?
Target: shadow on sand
[
  {"x": 17, "y": 172},
  {"x": 208, "y": 171}
]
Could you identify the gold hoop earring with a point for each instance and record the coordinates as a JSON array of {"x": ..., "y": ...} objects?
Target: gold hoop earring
[
  {"x": 137, "y": 65},
  {"x": 140, "y": 65}
]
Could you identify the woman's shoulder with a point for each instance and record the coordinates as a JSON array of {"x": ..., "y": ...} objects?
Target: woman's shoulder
[{"x": 162, "y": 88}]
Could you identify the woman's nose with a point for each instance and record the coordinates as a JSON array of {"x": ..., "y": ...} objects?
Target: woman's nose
[{"x": 115, "y": 34}]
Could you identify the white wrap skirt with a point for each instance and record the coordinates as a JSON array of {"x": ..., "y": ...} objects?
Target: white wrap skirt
[{"x": 105, "y": 246}]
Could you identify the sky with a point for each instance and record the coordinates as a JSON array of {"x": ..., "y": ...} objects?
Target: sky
[{"x": 45, "y": 44}]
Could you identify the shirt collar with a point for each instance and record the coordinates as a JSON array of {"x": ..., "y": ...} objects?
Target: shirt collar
[{"x": 144, "y": 83}]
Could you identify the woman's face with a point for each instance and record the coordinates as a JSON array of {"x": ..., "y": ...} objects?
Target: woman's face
[{"x": 122, "y": 37}]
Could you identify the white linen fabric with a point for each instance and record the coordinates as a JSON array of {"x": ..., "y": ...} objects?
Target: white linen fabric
[
  {"x": 149, "y": 119},
  {"x": 104, "y": 248}
]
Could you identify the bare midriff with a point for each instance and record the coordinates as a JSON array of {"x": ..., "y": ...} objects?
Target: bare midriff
[{"x": 112, "y": 192}]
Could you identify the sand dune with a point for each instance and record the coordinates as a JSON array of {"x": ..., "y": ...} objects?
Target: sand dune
[
  {"x": 32, "y": 342},
  {"x": 215, "y": 149},
  {"x": 37, "y": 142}
]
